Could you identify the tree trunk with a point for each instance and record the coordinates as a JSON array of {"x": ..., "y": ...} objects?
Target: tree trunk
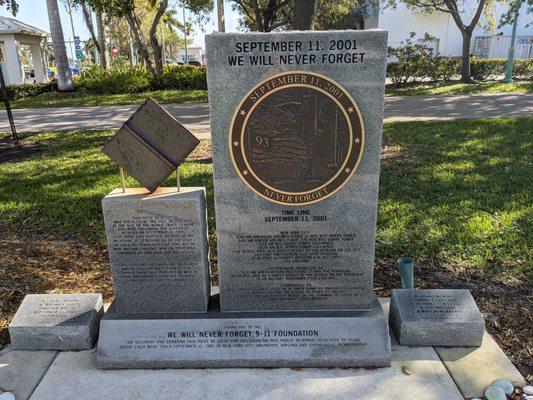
[
  {"x": 303, "y": 15},
  {"x": 465, "y": 58},
  {"x": 156, "y": 46},
  {"x": 89, "y": 22},
  {"x": 142, "y": 50},
  {"x": 102, "y": 48},
  {"x": 64, "y": 75}
]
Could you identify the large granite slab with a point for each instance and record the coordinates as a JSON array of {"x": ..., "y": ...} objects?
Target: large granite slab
[
  {"x": 56, "y": 322},
  {"x": 22, "y": 370},
  {"x": 228, "y": 340},
  {"x": 473, "y": 369},
  {"x": 158, "y": 249},
  {"x": 436, "y": 317},
  {"x": 296, "y": 123}
]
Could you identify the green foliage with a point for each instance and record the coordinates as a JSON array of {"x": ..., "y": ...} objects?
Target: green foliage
[
  {"x": 11, "y": 6},
  {"x": 18, "y": 92},
  {"x": 453, "y": 193},
  {"x": 443, "y": 68},
  {"x": 413, "y": 61},
  {"x": 115, "y": 80},
  {"x": 491, "y": 68},
  {"x": 182, "y": 77}
]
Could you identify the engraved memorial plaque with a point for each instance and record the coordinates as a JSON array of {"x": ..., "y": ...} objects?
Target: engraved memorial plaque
[{"x": 296, "y": 166}]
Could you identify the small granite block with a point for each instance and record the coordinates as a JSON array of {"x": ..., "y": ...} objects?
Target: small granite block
[
  {"x": 56, "y": 322},
  {"x": 158, "y": 249},
  {"x": 235, "y": 340},
  {"x": 436, "y": 317}
]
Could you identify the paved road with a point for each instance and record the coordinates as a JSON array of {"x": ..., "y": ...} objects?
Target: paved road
[{"x": 196, "y": 116}]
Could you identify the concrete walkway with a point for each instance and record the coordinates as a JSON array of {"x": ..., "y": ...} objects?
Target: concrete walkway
[{"x": 196, "y": 116}]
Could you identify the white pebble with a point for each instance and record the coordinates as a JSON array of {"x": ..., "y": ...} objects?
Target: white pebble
[
  {"x": 526, "y": 397},
  {"x": 7, "y": 396},
  {"x": 528, "y": 390}
]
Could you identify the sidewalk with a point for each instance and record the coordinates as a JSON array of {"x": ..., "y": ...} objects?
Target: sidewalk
[{"x": 195, "y": 116}]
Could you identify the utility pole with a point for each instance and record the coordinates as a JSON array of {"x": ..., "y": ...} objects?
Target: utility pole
[
  {"x": 133, "y": 61},
  {"x": 73, "y": 35},
  {"x": 510, "y": 58},
  {"x": 8, "y": 109},
  {"x": 185, "y": 35},
  {"x": 220, "y": 14}
]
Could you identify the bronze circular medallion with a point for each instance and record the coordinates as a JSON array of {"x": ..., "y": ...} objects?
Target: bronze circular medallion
[{"x": 296, "y": 138}]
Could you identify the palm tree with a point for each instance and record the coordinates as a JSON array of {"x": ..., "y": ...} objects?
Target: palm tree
[{"x": 64, "y": 75}]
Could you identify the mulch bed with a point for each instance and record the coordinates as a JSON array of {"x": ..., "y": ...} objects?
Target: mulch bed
[
  {"x": 37, "y": 263},
  {"x": 10, "y": 152}
]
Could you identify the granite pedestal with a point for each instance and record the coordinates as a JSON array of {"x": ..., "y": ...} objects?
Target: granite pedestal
[
  {"x": 436, "y": 317},
  {"x": 158, "y": 249},
  {"x": 56, "y": 322},
  {"x": 225, "y": 340}
]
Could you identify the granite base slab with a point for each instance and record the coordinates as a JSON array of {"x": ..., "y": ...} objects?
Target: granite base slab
[
  {"x": 436, "y": 317},
  {"x": 56, "y": 322},
  {"x": 225, "y": 340}
]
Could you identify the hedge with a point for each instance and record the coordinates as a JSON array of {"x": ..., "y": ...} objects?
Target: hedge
[
  {"x": 18, "y": 92},
  {"x": 439, "y": 68},
  {"x": 415, "y": 64}
]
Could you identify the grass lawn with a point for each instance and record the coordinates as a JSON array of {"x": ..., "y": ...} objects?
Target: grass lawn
[
  {"x": 434, "y": 89},
  {"x": 57, "y": 99},
  {"x": 454, "y": 193}
]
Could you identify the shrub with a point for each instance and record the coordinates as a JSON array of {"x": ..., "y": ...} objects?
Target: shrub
[
  {"x": 487, "y": 68},
  {"x": 19, "y": 92},
  {"x": 123, "y": 79},
  {"x": 523, "y": 68},
  {"x": 182, "y": 77},
  {"x": 443, "y": 68},
  {"x": 413, "y": 61}
]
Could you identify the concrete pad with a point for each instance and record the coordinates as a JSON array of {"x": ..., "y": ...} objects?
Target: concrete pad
[
  {"x": 21, "y": 370},
  {"x": 73, "y": 375},
  {"x": 473, "y": 369}
]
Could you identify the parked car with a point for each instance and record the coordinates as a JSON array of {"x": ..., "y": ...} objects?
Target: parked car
[{"x": 195, "y": 63}]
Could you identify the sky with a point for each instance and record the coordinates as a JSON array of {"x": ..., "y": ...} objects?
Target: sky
[{"x": 34, "y": 12}]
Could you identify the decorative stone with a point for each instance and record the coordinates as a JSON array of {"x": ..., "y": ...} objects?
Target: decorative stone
[
  {"x": 259, "y": 340},
  {"x": 296, "y": 123},
  {"x": 436, "y": 317},
  {"x": 505, "y": 385},
  {"x": 158, "y": 249},
  {"x": 528, "y": 390},
  {"x": 495, "y": 393},
  {"x": 7, "y": 396},
  {"x": 56, "y": 322}
]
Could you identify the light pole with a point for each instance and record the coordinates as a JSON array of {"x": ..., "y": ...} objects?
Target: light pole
[
  {"x": 510, "y": 58},
  {"x": 185, "y": 36},
  {"x": 220, "y": 15}
]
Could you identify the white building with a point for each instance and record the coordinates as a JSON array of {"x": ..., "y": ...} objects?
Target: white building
[
  {"x": 448, "y": 40},
  {"x": 14, "y": 34},
  {"x": 195, "y": 53}
]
